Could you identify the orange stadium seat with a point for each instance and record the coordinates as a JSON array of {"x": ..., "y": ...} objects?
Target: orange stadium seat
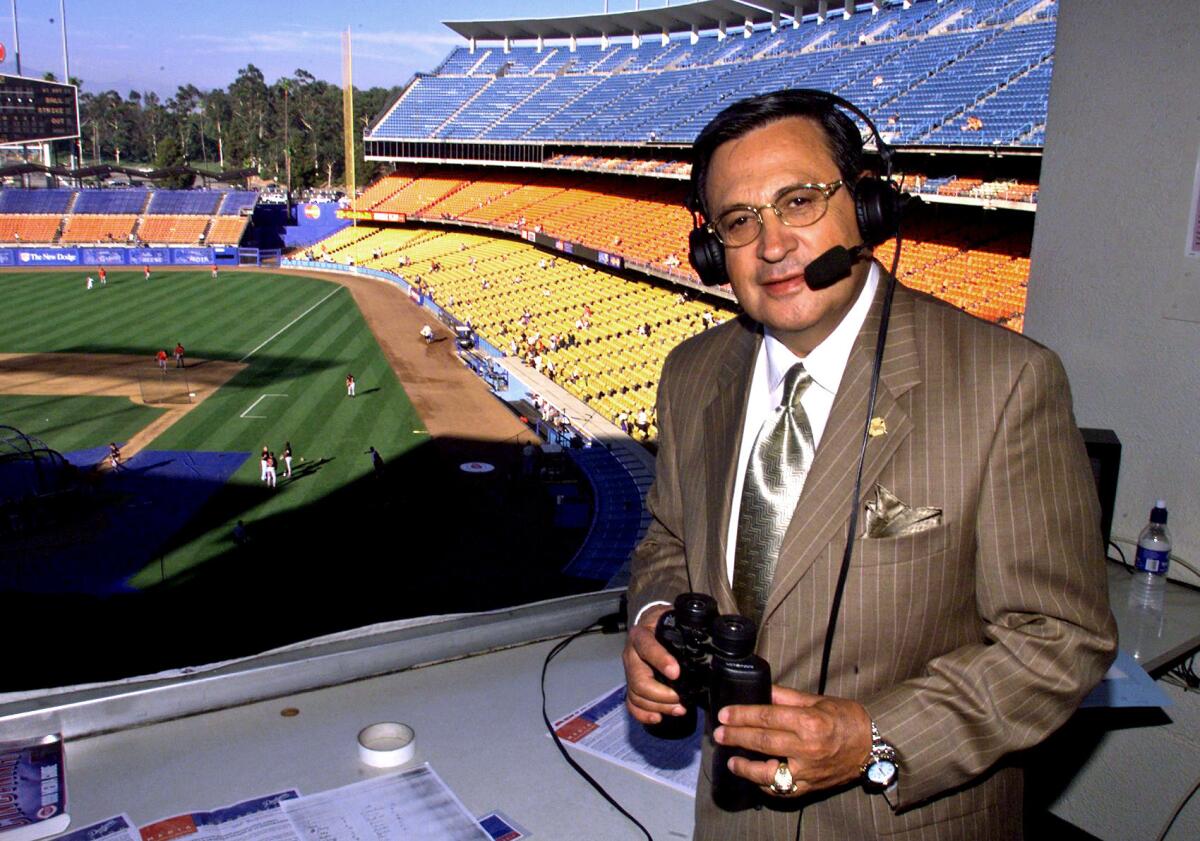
[
  {"x": 88, "y": 228},
  {"x": 183, "y": 230},
  {"x": 227, "y": 230},
  {"x": 40, "y": 228}
]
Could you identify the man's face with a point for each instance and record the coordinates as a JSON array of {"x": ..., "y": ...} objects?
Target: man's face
[{"x": 768, "y": 274}]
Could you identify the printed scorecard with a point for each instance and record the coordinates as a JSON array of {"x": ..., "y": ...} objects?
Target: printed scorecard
[{"x": 32, "y": 110}]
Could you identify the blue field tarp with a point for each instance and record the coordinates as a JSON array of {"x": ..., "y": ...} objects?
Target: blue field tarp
[{"x": 152, "y": 496}]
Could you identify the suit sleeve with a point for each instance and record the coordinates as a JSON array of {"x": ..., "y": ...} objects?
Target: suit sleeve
[
  {"x": 658, "y": 568},
  {"x": 1041, "y": 594}
]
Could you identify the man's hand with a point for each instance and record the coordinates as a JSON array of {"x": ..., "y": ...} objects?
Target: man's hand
[
  {"x": 647, "y": 699},
  {"x": 826, "y": 740}
]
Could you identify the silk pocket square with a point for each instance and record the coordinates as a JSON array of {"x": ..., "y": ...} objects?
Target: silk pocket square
[{"x": 887, "y": 516}]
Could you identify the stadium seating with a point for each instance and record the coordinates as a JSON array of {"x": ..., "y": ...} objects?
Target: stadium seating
[
  {"x": 97, "y": 228},
  {"x": 111, "y": 202},
  {"x": 175, "y": 230},
  {"x": 36, "y": 201},
  {"x": 170, "y": 216},
  {"x": 18, "y": 229},
  {"x": 965, "y": 72},
  {"x": 237, "y": 202},
  {"x": 184, "y": 202},
  {"x": 227, "y": 230}
]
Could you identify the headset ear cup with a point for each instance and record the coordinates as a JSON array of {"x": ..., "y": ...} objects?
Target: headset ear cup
[
  {"x": 877, "y": 207},
  {"x": 707, "y": 257}
]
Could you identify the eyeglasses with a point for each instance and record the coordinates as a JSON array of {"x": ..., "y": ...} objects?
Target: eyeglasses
[{"x": 799, "y": 207}]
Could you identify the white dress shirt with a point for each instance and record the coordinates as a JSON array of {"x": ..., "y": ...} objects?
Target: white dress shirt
[{"x": 825, "y": 364}]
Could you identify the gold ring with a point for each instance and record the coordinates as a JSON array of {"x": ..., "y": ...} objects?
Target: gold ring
[{"x": 783, "y": 784}]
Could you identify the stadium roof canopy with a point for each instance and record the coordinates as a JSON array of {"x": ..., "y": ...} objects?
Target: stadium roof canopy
[{"x": 705, "y": 15}]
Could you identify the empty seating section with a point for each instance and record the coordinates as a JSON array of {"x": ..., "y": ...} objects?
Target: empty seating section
[
  {"x": 94, "y": 227},
  {"x": 111, "y": 215},
  {"x": 36, "y": 201},
  {"x": 180, "y": 230},
  {"x": 227, "y": 230},
  {"x": 374, "y": 195},
  {"x": 28, "y": 228},
  {"x": 237, "y": 202},
  {"x": 429, "y": 102},
  {"x": 418, "y": 194},
  {"x": 111, "y": 202},
  {"x": 970, "y": 72},
  {"x": 645, "y": 223},
  {"x": 974, "y": 267},
  {"x": 184, "y": 202}
]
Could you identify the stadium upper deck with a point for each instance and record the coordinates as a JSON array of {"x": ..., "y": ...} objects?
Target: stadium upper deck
[{"x": 966, "y": 73}]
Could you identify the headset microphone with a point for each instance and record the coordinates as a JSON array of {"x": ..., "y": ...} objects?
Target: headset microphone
[{"x": 832, "y": 266}]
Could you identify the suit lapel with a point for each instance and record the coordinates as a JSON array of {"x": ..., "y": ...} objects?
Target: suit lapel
[
  {"x": 822, "y": 513},
  {"x": 724, "y": 417}
]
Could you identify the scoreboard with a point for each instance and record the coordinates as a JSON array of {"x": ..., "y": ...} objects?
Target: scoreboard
[{"x": 32, "y": 110}]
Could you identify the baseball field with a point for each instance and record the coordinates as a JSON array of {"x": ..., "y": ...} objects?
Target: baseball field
[{"x": 149, "y": 575}]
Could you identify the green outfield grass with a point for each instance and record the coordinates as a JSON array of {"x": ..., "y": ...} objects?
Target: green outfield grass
[
  {"x": 299, "y": 337},
  {"x": 75, "y": 423}
]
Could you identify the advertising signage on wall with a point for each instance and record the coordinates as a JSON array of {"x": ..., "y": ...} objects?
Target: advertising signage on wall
[{"x": 372, "y": 216}]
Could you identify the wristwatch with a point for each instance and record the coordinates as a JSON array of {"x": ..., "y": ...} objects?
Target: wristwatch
[{"x": 880, "y": 770}]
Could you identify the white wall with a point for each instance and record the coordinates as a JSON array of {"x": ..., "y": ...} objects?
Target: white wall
[{"x": 1111, "y": 288}]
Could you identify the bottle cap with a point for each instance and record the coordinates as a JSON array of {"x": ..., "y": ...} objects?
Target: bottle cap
[{"x": 1159, "y": 514}]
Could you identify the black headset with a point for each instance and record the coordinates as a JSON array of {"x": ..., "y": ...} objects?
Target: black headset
[{"x": 878, "y": 203}]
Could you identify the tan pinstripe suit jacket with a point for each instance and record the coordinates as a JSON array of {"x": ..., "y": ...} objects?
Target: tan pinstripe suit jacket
[{"x": 965, "y": 643}]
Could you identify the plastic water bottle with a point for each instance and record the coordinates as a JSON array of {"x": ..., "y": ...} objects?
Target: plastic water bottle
[{"x": 1152, "y": 559}]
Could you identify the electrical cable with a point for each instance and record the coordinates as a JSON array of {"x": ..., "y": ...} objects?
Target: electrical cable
[
  {"x": 1124, "y": 563},
  {"x": 1178, "y": 809},
  {"x": 599, "y": 624}
]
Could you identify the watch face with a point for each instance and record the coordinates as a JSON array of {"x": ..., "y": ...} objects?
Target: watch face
[{"x": 882, "y": 772}]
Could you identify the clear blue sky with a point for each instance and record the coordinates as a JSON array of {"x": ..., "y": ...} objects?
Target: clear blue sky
[{"x": 160, "y": 44}]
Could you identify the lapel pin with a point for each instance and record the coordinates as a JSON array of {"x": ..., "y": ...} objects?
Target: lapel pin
[{"x": 877, "y": 428}]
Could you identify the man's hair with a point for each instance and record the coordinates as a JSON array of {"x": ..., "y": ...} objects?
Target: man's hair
[{"x": 746, "y": 115}]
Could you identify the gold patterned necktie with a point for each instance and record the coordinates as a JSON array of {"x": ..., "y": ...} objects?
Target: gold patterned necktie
[{"x": 775, "y": 473}]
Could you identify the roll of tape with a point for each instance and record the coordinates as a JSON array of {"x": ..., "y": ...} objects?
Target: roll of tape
[{"x": 386, "y": 744}]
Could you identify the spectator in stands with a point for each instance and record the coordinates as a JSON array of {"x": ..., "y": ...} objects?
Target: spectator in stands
[
  {"x": 642, "y": 422},
  {"x": 1004, "y": 645}
]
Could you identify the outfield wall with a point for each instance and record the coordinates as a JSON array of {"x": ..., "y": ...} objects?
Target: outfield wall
[{"x": 119, "y": 256}]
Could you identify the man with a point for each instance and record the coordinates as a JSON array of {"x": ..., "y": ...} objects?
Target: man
[
  {"x": 179, "y": 363},
  {"x": 956, "y": 645}
]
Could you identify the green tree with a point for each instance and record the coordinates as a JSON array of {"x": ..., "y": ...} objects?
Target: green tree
[{"x": 170, "y": 156}]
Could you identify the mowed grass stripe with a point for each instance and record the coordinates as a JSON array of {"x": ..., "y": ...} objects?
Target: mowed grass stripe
[
  {"x": 75, "y": 423},
  {"x": 219, "y": 319}
]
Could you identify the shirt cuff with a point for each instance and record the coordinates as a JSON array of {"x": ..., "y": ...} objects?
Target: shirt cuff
[{"x": 646, "y": 607}]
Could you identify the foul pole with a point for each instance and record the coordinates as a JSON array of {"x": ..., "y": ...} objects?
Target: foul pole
[{"x": 348, "y": 119}]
